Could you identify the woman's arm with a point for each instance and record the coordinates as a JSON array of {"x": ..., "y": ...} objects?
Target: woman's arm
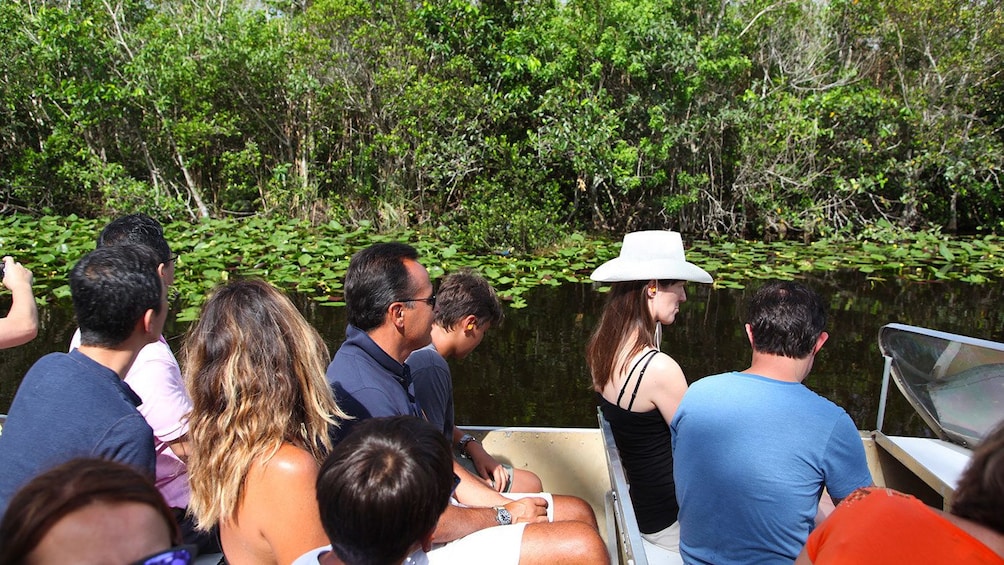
[{"x": 667, "y": 385}]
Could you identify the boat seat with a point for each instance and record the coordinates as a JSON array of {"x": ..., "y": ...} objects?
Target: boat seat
[
  {"x": 937, "y": 462},
  {"x": 624, "y": 541}
]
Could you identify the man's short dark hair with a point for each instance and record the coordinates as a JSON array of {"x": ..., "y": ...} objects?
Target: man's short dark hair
[
  {"x": 465, "y": 293},
  {"x": 137, "y": 229},
  {"x": 786, "y": 318},
  {"x": 112, "y": 288},
  {"x": 376, "y": 278},
  {"x": 383, "y": 488}
]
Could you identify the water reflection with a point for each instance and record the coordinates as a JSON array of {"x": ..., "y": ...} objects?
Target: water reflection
[{"x": 531, "y": 371}]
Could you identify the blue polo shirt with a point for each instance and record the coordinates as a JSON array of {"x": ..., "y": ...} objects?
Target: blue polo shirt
[
  {"x": 369, "y": 383},
  {"x": 70, "y": 406}
]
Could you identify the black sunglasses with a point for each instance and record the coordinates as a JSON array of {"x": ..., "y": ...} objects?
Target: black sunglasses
[
  {"x": 431, "y": 301},
  {"x": 180, "y": 555}
]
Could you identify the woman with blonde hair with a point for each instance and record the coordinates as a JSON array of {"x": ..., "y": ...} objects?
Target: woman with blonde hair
[
  {"x": 254, "y": 368},
  {"x": 638, "y": 386}
]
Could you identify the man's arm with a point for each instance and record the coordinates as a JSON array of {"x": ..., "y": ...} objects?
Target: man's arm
[
  {"x": 846, "y": 464},
  {"x": 129, "y": 441},
  {"x": 486, "y": 465},
  {"x": 472, "y": 492},
  {"x": 458, "y": 521},
  {"x": 21, "y": 324}
]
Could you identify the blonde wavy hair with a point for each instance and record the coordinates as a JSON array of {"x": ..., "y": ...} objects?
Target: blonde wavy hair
[{"x": 254, "y": 368}]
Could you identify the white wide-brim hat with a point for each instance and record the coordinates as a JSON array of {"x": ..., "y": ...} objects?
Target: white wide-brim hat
[{"x": 648, "y": 255}]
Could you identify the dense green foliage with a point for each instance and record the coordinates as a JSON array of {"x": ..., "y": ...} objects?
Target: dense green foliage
[
  {"x": 507, "y": 125},
  {"x": 311, "y": 259}
]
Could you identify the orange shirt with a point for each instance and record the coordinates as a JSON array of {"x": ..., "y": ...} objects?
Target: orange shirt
[{"x": 883, "y": 526}]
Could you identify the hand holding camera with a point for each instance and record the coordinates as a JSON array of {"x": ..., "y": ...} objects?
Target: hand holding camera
[{"x": 14, "y": 275}]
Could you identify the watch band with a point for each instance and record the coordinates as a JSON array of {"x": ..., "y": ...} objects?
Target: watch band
[
  {"x": 462, "y": 445},
  {"x": 502, "y": 516}
]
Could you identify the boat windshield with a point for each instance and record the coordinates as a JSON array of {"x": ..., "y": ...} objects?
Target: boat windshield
[{"x": 956, "y": 383}]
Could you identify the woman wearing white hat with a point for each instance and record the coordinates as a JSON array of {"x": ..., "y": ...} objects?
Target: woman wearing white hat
[{"x": 640, "y": 387}]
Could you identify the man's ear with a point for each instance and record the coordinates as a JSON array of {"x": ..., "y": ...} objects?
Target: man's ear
[
  {"x": 749, "y": 334},
  {"x": 469, "y": 322},
  {"x": 161, "y": 269},
  {"x": 145, "y": 324},
  {"x": 820, "y": 341},
  {"x": 395, "y": 313}
]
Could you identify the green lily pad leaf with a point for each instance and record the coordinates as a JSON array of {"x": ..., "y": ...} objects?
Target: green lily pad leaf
[
  {"x": 61, "y": 291},
  {"x": 946, "y": 253}
]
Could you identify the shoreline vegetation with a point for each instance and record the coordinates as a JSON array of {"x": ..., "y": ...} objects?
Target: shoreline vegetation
[
  {"x": 509, "y": 127},
  {"x": 311, "y": 260}
]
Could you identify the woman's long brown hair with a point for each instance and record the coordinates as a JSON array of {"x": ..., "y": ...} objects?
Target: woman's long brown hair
[{"x": 626, "y": 327}]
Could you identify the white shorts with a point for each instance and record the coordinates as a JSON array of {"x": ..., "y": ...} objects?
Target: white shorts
[
  {"x": 499, "y": 545},
  {"x": 663, "y": 546}
]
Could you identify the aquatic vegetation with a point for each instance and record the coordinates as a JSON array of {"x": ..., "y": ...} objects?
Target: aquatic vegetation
[{"x": 311, "y": 260}]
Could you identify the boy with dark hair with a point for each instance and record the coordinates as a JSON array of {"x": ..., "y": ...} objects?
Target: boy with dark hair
[
  {"x": 466, "y": 308},
  {"x": 76, "y": 404},
  {"x": 381, "y": 492}
]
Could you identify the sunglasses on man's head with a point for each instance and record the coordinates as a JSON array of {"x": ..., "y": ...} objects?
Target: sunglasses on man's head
[{"x": 180, "y": 555}]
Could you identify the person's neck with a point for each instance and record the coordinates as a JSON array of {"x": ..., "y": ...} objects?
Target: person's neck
[
  {"x": 391, "y": 341},
  {"x": 119, "y": 359},
  {"x": 779, "y": 367},
  {"x": 986, "y": 536},
  {"x": 442, "y": 340}
]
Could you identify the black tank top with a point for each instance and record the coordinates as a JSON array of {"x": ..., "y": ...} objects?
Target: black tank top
[{"x": 644, "y": 443}]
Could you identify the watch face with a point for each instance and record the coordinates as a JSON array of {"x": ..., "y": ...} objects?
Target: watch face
[{"x": 504, "y": 518}]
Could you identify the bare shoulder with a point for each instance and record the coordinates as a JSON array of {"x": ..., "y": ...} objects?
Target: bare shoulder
[
  {"x": 668, "y": 385},
  {"x": 665, "y": 370},
  {"x": 280, "y": 505},
  {"x": 290, "y": 466}
]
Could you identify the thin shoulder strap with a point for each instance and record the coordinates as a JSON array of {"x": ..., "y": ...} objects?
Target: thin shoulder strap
[{"x": 647, "y": 358}]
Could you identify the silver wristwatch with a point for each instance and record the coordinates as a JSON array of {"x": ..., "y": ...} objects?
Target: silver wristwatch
[
  {"x": 462, "y": 445},
  {"x": 502, "y": 516}
]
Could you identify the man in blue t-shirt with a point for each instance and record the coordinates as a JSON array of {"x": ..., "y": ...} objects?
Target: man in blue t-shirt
[
  {"x": 753, "y": 450},
  {"x": 75, "y": 404}
]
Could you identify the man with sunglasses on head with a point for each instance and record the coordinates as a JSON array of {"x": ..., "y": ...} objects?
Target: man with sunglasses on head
[
  {"x": 156, "y": 377},
  {"x": 391, "y": 305}
]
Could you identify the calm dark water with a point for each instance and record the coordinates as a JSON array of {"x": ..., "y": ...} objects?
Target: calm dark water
[{"x": 531, "y": 370}]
